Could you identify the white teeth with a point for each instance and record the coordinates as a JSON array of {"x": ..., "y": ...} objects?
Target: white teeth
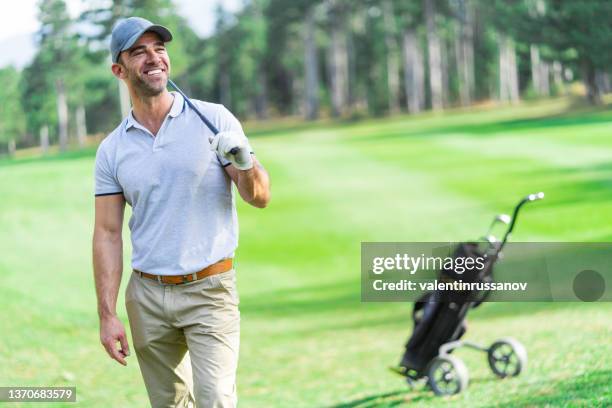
[{"x": 154, "y": 72}]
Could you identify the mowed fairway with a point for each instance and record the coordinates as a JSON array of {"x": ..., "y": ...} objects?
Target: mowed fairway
[{"x": 307, "y": 340}]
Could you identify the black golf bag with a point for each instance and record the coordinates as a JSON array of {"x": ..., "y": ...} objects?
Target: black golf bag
[
  {"x": 439, "y": 316},
  {"x": 439, "y": 319}
]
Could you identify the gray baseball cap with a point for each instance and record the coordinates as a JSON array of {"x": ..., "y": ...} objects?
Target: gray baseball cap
[{"x": 127, "y": 32}]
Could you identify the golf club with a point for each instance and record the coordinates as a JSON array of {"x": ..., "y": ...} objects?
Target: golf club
[
  {"x": 490, "y": 239},
  {"x": 501, "y": 218},
  {"x": 528, "y": 199},
  {"x": 212, "y": 127}
]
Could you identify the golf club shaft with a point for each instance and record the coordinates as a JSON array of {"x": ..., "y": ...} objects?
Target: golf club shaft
[
  {"x": 528, "y": 199},
  {"x": 212, "y": 127}
]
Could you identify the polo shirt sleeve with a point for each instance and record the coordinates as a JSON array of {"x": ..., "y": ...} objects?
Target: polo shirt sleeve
[
  {"x": 228, "y": 123},
  {"x": 105, "y": 181}
]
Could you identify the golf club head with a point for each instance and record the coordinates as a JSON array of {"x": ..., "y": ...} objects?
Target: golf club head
[
  {"x": 489, "y": 244},
  {"x": 503, "y": 218},
  {"x": 536, "y": 196},
  {"x": 528, "y": 199},
  {"x": 489, "y": 239}
]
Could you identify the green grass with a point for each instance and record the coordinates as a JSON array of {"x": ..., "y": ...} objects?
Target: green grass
[{"x": 307, "y": 341}]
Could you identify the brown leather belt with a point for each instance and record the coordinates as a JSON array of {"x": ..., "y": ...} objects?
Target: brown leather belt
[{"x": 223, "y": 265}]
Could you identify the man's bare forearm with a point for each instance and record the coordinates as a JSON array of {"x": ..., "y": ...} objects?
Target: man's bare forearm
[
  {"x": 254, "y": 185},
  {"x": 108, "y": 267}
]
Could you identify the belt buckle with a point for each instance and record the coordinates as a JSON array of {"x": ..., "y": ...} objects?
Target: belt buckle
[{"x": 185, "y": 280}]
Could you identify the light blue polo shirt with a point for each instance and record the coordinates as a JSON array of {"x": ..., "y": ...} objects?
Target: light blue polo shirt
[{"x": 183, "y": 206}]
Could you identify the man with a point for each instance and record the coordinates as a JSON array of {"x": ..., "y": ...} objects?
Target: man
[{"x": 181, "y": 300}]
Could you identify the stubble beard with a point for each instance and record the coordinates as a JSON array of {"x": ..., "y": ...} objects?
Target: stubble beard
[{"x": 146, "y": 89}]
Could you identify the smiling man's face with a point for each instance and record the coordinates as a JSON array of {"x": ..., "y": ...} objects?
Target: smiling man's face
[{"x": 146, "y": 65}]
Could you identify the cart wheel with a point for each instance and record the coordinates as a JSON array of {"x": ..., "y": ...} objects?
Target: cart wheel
[
  {"x": 447, "y": 375},
  {"x": 507, "y": 358}
]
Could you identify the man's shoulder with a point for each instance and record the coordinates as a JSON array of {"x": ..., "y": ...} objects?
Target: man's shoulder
[
  {"x": 218, "y": 114},
  {"x": 110, "y": 141}
]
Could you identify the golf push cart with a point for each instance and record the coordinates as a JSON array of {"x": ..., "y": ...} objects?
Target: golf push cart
[{"x": 440, "y": 321}]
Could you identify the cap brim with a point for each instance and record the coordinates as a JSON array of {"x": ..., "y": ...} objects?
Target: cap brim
[
  {"x": 160, "y": 30},
  {"x": 163, "y": 32}
]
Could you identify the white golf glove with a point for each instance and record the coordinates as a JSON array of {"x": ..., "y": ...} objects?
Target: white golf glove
[{"x": 224, "y": 142}]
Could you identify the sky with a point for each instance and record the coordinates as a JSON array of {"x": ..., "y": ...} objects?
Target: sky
[{"x": 18, "y": 25}]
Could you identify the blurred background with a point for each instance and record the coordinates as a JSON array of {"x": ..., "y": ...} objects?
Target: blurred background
[
  {"x": 378, "y": 120},
  {"x": 303, "y": 58}
]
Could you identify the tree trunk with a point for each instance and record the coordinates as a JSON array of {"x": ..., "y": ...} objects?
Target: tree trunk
[
  {"x": 261, "y": 95},
  {"x": 464, "y": 50},
  {"x": 311, "y": 67},
  {"x": 557, "y": 73},
  {"x": 81, "y": 125},
  {"x": 545, "y": 78},
  {"x": 44, "y": 139},
  {"x": 124, "y": 99},
  {"x": 62, "y": 114},
  {"x": 444, "y": 53},
  {"x": 393, "y": 75},
  {"x": 464, "y": 90},
  {"x": 534, "y": 52},
  {"x": 503, "y": 70},
  {"x": 225, "y": 94},
  {"x": 434, "y": 56},
  {"x": 513, "y": 72},
  {"x": 603, "y": 81},
  {"x": 338, "y": 60},
  {"x": 508, "y": 72},
  {"x": 413, "y": 72},
  {"x": 351, "y": 69},
  {"x": 592, "y": 88},
  {"x": 540, "y": 72},
  {"x": 297, "y": 95},
  {"x": 12, "y": 148}
]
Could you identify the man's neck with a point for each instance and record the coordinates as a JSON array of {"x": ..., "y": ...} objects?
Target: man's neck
[{"x": 151, "y": 111}]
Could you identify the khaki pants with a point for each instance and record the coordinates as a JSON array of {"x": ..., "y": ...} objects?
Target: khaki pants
[{"x": 186, "y": 338}]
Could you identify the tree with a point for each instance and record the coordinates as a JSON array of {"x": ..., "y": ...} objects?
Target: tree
[
  {"x": 411, "y": 13},
  {"x": 224, "y": 55},
  {"x": 464, "y": 50},
  {"x": 582, "y": 31},
  {"x": 371, "y": 78},
  {"x": 107, "y": 97},
  {"x": 540, "y": 72},
  {"x": 508, "y": 72},
  {"x": 509, "y": 22},
  {"x": 51, "y": 72},
  {"x": 338, "y": 56},
  {"x": 249, "y": 36},
  {"x": 292, "y": 57},
  {"x": 311, "y": 66},
  {"x": 12, "y": 117},
  {"x": 434, "y": 55},
  {"x": 393, "y": 74},
  {"x": 573, "y": 33}
]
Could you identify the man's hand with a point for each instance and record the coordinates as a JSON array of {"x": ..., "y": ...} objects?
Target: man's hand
[
  {"x": 111, "y": 332},
  {"x": 224, "y": 142}
]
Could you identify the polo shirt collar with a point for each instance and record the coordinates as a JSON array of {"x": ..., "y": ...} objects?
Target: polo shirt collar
[
  {"x": 177, "y": 105},
  {"x": 175, "y": 110}
]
